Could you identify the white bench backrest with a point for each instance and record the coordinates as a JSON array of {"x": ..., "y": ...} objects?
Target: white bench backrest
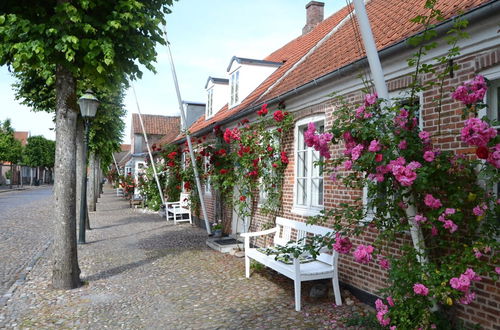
[
  {"x": 184, "y": 200},
  {"x": 284, "y": 235}
]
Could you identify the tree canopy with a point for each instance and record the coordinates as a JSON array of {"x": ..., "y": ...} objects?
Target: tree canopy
[
  {"x": 39, "y": 151},
  {"x": 10, "y": 147}
]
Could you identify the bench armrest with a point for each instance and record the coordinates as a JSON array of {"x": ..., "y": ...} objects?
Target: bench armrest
[{"x": 257, "y": 233}]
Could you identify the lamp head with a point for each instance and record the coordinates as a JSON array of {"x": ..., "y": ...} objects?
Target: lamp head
[{"x": 88, "y": 104}]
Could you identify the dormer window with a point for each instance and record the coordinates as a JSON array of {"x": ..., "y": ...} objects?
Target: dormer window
[
  {"x": 210, "y": 102},
  {"x": 217, "y": 94},
  {"x": 253, "y": 73},
  {"x": 234, "y": 82}
]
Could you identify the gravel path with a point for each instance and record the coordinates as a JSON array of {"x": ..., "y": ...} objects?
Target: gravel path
[{"x": 141, "y": 272}]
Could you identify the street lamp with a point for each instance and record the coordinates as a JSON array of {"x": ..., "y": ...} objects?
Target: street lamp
[{"x": 88, "y": 107}]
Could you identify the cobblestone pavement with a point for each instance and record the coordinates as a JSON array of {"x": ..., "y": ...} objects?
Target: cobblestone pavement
[
  {"x": 25, "y": 229},
  {"x": 141, "y": 272}
]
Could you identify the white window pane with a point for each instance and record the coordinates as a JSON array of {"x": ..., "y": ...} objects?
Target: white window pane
[
  {"x": 301, "y": 144},
  {"x": 317, "y": 192},
  {"x": 302, "y": 164},
  {"x": 301, "y": 192}
]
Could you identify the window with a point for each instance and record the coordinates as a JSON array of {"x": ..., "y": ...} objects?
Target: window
[
  {"x": 234, "y": 82},
  {"x": 493, "y": 100},
  {"x": 402, "y": 98},
  {"x": 210, "y": 103},
  {"x": 308, "y": 185}
]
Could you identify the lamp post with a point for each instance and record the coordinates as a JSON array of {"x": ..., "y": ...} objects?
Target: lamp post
[{"x": 88, "y": 107}]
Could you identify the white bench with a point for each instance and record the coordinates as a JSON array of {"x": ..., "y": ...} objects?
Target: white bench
[
  {"x": 325, "y": 266},
  {"x": 177, "y": 210}
]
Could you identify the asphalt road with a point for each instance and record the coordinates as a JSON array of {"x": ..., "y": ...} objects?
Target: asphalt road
[{"x": 25, "y": 230}]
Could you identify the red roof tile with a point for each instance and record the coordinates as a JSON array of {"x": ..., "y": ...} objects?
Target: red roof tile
[
  {"x": 390, "y": 21},
  {"x": 155, "y": 124},
  {"x": 22, "y": 136},
  {"x": 125, "y": 147}
]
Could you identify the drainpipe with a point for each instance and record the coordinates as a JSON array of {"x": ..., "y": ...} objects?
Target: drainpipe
[
  {"x": 371, "y": 49},
  {"x": 188, "y": 136}
]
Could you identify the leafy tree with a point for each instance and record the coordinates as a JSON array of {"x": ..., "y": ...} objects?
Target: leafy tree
[
  {"x": 73, "y": 45},
  {"x": 10, "y": 147},
  {"x": 39, "y": 152}
]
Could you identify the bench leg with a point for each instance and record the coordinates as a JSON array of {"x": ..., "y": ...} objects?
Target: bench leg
[
  {"x": 336, "y": 291},
  {"x": 297, "y": 295},
  {"x": 247, "y": 267}
]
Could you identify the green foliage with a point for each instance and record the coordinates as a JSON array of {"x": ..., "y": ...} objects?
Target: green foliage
[
  {"x": 101, "y": 40},
  {"x": 149, "y": 189},
  {"x": 172, "y": 156},
  {"x": 10, "y": 148},
  {"x": 39, "y": 152}
]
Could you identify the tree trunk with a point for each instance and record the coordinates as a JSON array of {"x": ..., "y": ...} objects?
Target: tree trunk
[
  {"x": 90, "y": 185},
  {"x": 31, "y": 176},
  {"x": 65, "y": 270},
  {"x": 79, "y": 166}
]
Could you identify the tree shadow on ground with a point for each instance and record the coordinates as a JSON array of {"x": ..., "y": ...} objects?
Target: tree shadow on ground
[{"x": 107, "y": 273}]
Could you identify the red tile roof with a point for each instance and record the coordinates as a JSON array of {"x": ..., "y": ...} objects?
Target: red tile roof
[
  {"x": 22, "y": 136},
  {"x": 290, "y": 54},
  {"x": 125, "y": 147},
  {"x": 155, "y": 124},
  {"x": 390, "y": 21}
]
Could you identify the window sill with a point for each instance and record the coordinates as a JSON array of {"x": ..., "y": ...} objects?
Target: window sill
[{"x": 306, "y": 212}]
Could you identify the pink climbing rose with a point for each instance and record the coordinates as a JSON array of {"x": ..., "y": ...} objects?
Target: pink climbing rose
[
  {"x": 420, "y": 218},
  {"x": 363, "y": 254},
  {"x": 420, "y": 289},
  {"x": 494, "y": 157},
  {"x": 374, "y": 146},
  {"x": 432, "y": 202},
  {"x": 471, "y": 91},
  {"x": 318, "y": 141},
  {"x": 477, "y": 132},
  {"x": 342, "y": 244},
  {"x": 429, "y": 156}
]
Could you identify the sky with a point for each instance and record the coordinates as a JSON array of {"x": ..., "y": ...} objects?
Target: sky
[{"x": 204, "y": 36}]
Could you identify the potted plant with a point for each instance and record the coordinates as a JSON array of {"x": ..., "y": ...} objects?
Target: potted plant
[{"x": 217, "y": 229}]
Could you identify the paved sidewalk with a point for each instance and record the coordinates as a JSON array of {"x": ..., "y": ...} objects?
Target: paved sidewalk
[{"x": 141, "y": 272}]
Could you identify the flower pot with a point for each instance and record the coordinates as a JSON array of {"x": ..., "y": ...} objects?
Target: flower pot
[{"x": 218, "y": 233}]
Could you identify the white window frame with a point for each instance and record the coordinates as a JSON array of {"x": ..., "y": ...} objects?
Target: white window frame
[
  {"x": 309, "y": 208},
  {"x": 210, "y": 98},
  {"x": 492, "y": 99},
  {"x": 234, "y": 82}
]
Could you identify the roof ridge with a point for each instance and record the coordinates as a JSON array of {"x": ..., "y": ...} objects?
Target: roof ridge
[{"x": 309, "y": 52}]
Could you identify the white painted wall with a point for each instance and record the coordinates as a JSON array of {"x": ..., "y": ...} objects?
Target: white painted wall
[
  {"x": 220, "y": 96},
  {"x": 251, "y": 76}
]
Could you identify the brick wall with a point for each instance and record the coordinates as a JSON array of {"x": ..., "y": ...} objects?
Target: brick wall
[{"x": 485, "y": 310}]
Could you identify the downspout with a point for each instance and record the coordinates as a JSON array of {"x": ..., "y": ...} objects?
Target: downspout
[{"x": 188, "y": 137}]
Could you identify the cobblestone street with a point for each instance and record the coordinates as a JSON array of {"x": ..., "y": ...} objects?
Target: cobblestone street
[
  {"x": 25, "y": 231},
  {"x": 142, "y": 272}
]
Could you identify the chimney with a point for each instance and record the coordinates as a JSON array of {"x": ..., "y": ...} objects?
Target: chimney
[{"x": 314, "y": 13}]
